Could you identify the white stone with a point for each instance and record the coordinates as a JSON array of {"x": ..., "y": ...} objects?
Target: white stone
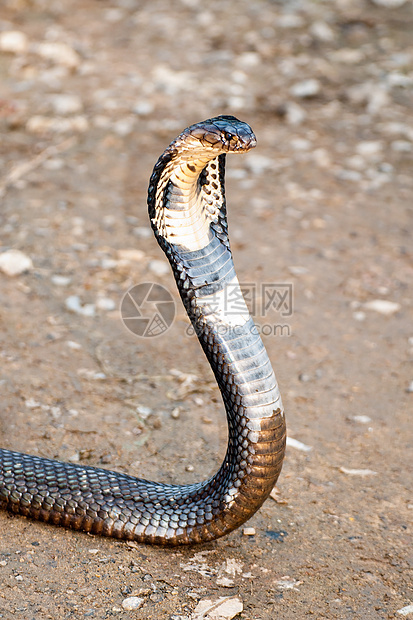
[
  {"x": 13, "y": 41},
  {"x": 73, "y": 304},
  {"x": 358, "y": 472},
  {"x": 41, "y": 124},
  {"x": 222, "y": 608},
  {"x": 322, "y": 31},
  {"x": 361, "y": 419},
  {"x": 14, "y": 262},
  {"x": 59, "y": 53},
  {"x": 105, "y": 303},
  {"x": 249, "y": 531},
  {"x": 295, "y": 114},
  {"x": 389, "y": 4},
  {"x": 143, "y": 108},
  {"x": 383, "y": 306},
  {"x": 66, "y": 104},
  {"x": 132, "y": 254},
  {"x": 306, "y": 88},
  {"x": 159, "y": 267},
  {"x": 402, "y": 146},
  {"x": 405, "y": 611},
  {"x": 132, "y": 602},
  {"x": 298, "y": 445},
  {"x": 61, "y": 280}
]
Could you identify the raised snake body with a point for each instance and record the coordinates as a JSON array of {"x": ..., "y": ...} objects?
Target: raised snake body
[{"x": 187, "y": 208}]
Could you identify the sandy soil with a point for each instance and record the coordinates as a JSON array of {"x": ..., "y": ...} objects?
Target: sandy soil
[{"x": 90, "y": 94}]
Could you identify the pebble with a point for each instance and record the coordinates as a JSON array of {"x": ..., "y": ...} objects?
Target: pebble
[
  {"x": 358, "y": 472},
  {"x": 359, "y": 315},
  {"x": 322, "y": 32},
  {"x": 132, "y": 602},
  {"x": 143, "y": 232},
  {"x": 158, "y": 267},
  {"x": 73, "y": 304},
  {"x": 306, "y": 89},
  {"x": 401, "y": 146},
  {"x": 389, "y": 4},
  {"x": 42, "y": 124},
  {"x": 288, "y": 583},
  {"x": 362, "y": 419},
  {"x": 66, "y": 104},
  {"x": 75, "y": 346},
  {"x": 15, "y": 262},
  {"x": 298, "y": 445},
  {"x": 222, "y": 608},
  {"x": 59, "y": 53},
  {"x": 13, "y": 42},
  {"x": 143, "y": 411},
  {"x": 294, "y": 113},
  {"x": 382, "y": 306},
  {"x": 409, "y": 388},
  {"x": 105, "y": 303},
  {"x": 249, "y": 531},
  {"x": 132, "y": 255},
  {"x": 405, "y": 611},
  {"x": 61, "y": 280}
]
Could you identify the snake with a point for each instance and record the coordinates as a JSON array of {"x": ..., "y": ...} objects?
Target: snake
[{"x": 187, "y": 210}]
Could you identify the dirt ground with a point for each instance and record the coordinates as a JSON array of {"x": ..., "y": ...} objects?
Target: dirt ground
[{"x": 91, "y": 92}]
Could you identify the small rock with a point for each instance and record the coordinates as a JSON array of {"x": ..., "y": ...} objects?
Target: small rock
[
  {"x": 304, "y": 377},
  {"x": 405, "y": 611},
  {"x": 359, "y": 315},
  {"x": 288, "y": 583},
  {"x": 249, "y": 531},
  {"x": 222, "y": 608},
  {"x": 362, "y": 419},
  {"x": 132, "y": 602},
  {"x": 382, "y": 306},
  {"x": 225, "y": 582},
  {"x": 73, "y": 304},
  {"x": 409, "y": 388},
  {"x": 132, "y": 255},
  {"x": 298, "y": 445},
  {"x": 306, "y": 89},
  {"x": 66, "y": 104},
  {"x": 358, "y": 472},
  {"x": 59, "y": 53},
  {"x": 258, "y": 164},
  {"x": 389, "y": 4},
  {"x": 42, "y": 124},
  {"x": 370, "y": 149},
  {"x": 61, "y": 280},
  {"x": 143, "y": 108},
  {"x": 175, "y": 413},
  {"x": 75, "y": 346},
  {"x": 14, "y": 262},
  {"x": 322, "y": 32},
  {"x": 159, "y": 267},
  {"x": 143, "y": 411},
  {"x": 143, "y": 232},
  {"x": 13, "y": 42},
  {"x": 105, "y": 303},
  {"x": 294, "y": 113},
  {"x": 401, "y": 146}
]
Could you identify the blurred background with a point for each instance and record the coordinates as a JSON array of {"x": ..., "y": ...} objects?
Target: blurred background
[{"x": 91, "y": 93}]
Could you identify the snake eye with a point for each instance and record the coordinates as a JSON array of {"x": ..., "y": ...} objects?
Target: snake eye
[{"x": 230, "y": 136}]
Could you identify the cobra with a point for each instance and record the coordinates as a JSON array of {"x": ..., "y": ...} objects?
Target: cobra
[{"x": 187, "y": 209}]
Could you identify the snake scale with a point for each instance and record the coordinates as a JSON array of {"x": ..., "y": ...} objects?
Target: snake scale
[{"x": 187, "y": 209}]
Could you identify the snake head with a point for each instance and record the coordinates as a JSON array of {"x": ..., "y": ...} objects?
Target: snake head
[{"x": 221, "y": 134}]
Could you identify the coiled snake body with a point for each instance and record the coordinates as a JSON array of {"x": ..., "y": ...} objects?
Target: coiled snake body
[{"x": 187, "y": 208}]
